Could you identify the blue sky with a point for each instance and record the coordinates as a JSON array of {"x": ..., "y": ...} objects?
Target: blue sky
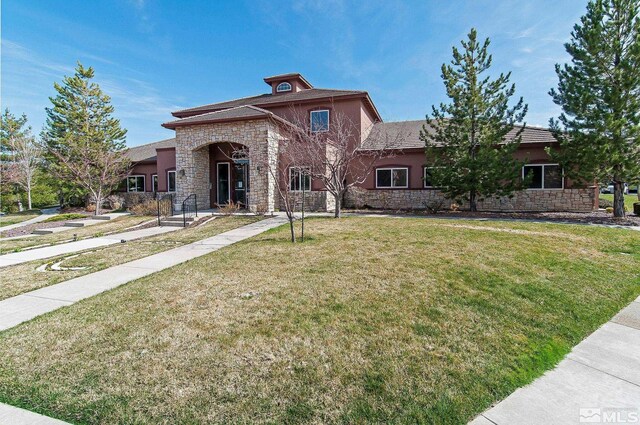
[{"x": 154, "y": 56}]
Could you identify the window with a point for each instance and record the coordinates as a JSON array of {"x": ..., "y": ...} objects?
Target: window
[
  {"x": 283, "y": 87},
  {"x": 392, "y": 177},
  {"x": 428, "y": 182},
  {"x": 543, "y": 176},
  {"x": 300, "y": 178},
  {"x": 171, "y": 181},
  {"x": 135, "y": 184},
  {"x": 154, "y": 180},
  {"x": 320, "y": 120}
]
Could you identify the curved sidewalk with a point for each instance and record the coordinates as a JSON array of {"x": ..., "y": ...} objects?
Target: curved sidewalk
[
  {"x": 70, "y": 247},
  {"x": 46, "y": 213}
]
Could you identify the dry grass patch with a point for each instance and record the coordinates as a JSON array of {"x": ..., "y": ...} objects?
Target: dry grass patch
[
  {"x": 8, "y": 219},
  {"x": 371, "y": 321},
  {"x": 25, "y": 277}
]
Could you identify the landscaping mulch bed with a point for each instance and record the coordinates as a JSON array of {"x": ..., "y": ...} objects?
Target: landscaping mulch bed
[{"x": 595, "y": 217}]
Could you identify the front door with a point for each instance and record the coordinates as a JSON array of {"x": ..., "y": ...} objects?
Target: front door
[
  {"x": 224, "y": 184},
  {"x": 240, "y": 184}
]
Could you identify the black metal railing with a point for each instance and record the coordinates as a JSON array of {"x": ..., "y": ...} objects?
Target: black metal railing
[
  {"x": 165, "y": 207},
  {"x": 189, "y": 208}
]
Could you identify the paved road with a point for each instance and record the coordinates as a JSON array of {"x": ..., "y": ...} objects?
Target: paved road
[
  {"x": 46, "y": 213},
  {"x": 598, "y": 382}
]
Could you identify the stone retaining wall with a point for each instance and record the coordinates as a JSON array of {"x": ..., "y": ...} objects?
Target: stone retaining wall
[
  {"x": 315, "y": 200},
  {"x": 575, "y": 200}
]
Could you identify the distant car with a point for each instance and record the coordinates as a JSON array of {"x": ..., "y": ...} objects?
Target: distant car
[{"x": 610, "y": 188}]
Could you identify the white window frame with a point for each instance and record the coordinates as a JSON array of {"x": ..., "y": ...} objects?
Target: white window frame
[
  {"x": 311, "y": 120},
  {"x": 392, "y": 186},
  {"x": 144, "y": 183},
  {"x": 300, "y": 178},
  {"x": 279, "y": 88},
  {"x": 543, "y": 186},
  {"x": 175, "y": 180},
  {"x": 155, "y": 185}
]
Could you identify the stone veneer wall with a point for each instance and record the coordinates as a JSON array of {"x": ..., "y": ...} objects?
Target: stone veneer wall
[
  {"x": 192, "y": 155},
  {"x": 576, "y": 200},
  {"x": 315, "y": 200}
]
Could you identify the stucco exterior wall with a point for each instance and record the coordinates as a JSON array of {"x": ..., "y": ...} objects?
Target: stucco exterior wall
[{"x": 576, "y": 200}]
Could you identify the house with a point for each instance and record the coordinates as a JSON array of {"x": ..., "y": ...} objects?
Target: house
[{"x": 200, "y": 158}]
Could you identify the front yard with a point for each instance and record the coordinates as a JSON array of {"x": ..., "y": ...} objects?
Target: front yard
[
  {"x": 371, "y": 320},
  {"x": 629, "y": 200}
]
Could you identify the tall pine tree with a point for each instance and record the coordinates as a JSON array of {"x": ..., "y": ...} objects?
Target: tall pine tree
[
  {"x": 466, "y": 140},
  {"x": 84, "y": 142},
  {"x": 599, "y": 92}
]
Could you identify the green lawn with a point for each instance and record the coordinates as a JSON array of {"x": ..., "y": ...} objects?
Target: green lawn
[
  {"x": 372, "y": 320},
  {"x": 629, "y": 200},
  {"x": 8, "y": 219}
]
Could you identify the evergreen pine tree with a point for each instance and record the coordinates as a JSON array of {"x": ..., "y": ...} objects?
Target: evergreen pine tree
[
  {"x": 599, "y": 92},
  {"x": 466, "y": 140},
  {"x": 84, "y": 142}
]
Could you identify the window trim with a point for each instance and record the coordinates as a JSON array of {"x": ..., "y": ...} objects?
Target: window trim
[
  {"x": 144, "y": 183},
  {"x": 155, "y": 184},
  {"x": 306, "y": 167},
  {"x": 175, "y": 180},
  {"x": 392, "y": 186},
  {"x": 281, "y": 90},
  {"x": 311, "y": 120},
  {"x": 543, "y": 186}
]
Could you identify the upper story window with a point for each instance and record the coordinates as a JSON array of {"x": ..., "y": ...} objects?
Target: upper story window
[
  {"x": 544, "y": 176},
  {"x": 320, "y": 120},
  {"x": 283, "y": 87},
  {"x": 387, "y": 178}
]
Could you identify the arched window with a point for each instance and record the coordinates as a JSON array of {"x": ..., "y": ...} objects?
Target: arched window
[{"x": 283, "y": 87}]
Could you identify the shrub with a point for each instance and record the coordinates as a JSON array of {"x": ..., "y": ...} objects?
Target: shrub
[
  {"x": 63, "y": 217},
  {"x": 609, "y": 210},
  {"x": 149, "y": 207},
  {"x": 454, "y": 207},
  {"x": 230, "y": 208},
  {"x": 604, "y": 203},
  {"x": 435, "y": 206}
]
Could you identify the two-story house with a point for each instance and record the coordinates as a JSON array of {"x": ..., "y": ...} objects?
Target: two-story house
[{"x": 200, "y": 158}]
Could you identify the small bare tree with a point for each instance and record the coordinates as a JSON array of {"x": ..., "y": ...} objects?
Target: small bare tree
[
  {"x": 21, "y": 154},
  {"x": 278, "y": 169},
  {"x": 336, "y": 153}
]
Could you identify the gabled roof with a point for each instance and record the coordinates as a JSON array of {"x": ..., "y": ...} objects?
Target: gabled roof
[
  {"x": 239, "y": 113},
  {"x": 410, "y": 135},
  {"x": 148, "y": 152},
  {"x": 269, "y": 99}
]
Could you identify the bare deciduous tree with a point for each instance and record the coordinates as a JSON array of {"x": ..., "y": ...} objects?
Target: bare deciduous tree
[
  {"x": 22, "y": 155},
  {"x": 337, "y": 154}
]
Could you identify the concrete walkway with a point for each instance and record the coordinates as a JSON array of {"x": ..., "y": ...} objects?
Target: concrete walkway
[
  {"x": 21, "y": 308},
  {"x": 46, "y": 213},
  {"x": 71, "y": 247},
  {"x": 598, "y": 382},
  {"x": 89, "y": 221},
  {"x": 16, "y": 416}
]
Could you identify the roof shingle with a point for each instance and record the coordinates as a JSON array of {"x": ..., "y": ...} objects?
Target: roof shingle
[
  {"x": 233, "y": 114},
  {"x": 408, "y": 134},
  {"x": 148, "y": 152}
]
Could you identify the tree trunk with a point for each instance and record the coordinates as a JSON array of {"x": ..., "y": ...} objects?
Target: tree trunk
[
  {"x": 98, "y": 197},
  {"x": 472, "y": 201},
  {"x": 338, "y": 210},
  {"x": 618, "y": 199},
  {"x": 29, "y": 197},
  {"x": 293, "y": 233}
]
